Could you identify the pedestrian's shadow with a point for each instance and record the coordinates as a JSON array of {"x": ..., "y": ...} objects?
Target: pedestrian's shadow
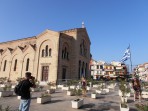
[
  {"x": 132, "y": 109},
  {"x": 53, "y": 101},
  {"x": 85, "y": 106},
  {"x": 100, "y": 97},
  {"x": 130, "y": 101}
]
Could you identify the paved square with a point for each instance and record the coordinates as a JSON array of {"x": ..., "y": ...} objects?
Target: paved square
[{"x": 61, "y": 102}]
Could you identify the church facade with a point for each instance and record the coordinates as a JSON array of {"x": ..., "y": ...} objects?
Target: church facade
[{"x": 49, "y": 56}]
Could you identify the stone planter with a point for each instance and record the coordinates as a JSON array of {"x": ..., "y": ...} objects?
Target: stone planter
[
  {"x": 144, "y": 93},
  {"x": 106, "y": 90},
  {"x": 144, "y": 96},
  {"x": 94, "y": 95},
  {"x": 111, "y": 86},
  {"x": 18, "y": 97},
  {"x": 72, "y": 87},
  {"x": 124, "y": 109},
  {"x": 50, "y": 91},
  {"x": 35, "y": 89},
  {"x": 53, "y": 87},
  {"x": 77, "y": 103},
  {"x": 123, "y": 99},
  {"x": 60, "y": 86},
  {"x": 70, "y": 93},
  {"x": 120, "y": 93},
  {"x": 2, "y": 85},
  {"x": 95, "y": 86},
  {"x": 65, "y": 88},
  {"x": 128, "y": 94},
  {"x": 45, "y": 99},
  {"x": 13, "y": 86},
  {"x": 6, "y": 93},
  {"x": 88, "y": 88},
  {"x": 101, "y": 91},
  {"x": 98, "y": 91}
]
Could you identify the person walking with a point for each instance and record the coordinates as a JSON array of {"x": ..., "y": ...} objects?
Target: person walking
[
  {"x": 137, "y": 88},
  {"x": 27, "y": 83},
  {"x": 84, "y": 83}
]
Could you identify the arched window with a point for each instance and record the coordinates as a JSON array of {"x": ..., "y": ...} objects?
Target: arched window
[
  {"x": 86, "y": 70},
  {"x": 49, "y": 52},
  {"x": 67, "y": 56},
  {"x": 43, "y": 53},
  {"x": 27, "y": 64},
  {"x": 5, "y": 63},
  {"x": 79, "y": 74},
  {"x": 65, "y": 53},
  {"x": 46, "y": 51},
  {"x": 62, "y": 54},
  {"x": 15, "y": 65},
  {"x": 83, "y": 49}
]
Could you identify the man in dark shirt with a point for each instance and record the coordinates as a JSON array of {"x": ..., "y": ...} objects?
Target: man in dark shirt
[{"x": 25, "y": 92}]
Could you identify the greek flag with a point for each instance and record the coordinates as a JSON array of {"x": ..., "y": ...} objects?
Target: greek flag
[{"x": 126, "y": 55}]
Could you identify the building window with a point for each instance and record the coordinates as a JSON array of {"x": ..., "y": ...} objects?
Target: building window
[
  {"x": 97, "y": 66},
  {"x": 83, "y": 49},
  {"x": 65, "y": 54},
  {"x": 49, "y": 52},
  {"x": 101, "y": 66},
  {"x": 46, "y": 51},
  {"x": 62, "y": 54},
  {"x": 43, "y": 53},
  {"x": 15, "y": 65},
  {"x": 86, "y": 70},
  {"x": 79, "y": 74},
  {"x": 5, "y": 63},
  {"x": 27, "y": 64}
]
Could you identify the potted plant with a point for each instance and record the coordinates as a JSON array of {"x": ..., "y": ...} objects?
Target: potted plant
[
  {"x": 19, "y": 79},
  {"x": 50, "y": 87},
  {"x": 101, "y": 88},
  {"x": 72, "y": 84},
  {"x": 94, "y": 95},
  {"x": 6, "y": 91},
  {"x": 37, "y": 88},
  {"x": 71, "y": 92},
  {"x": 45, "y": 97},
  {"x": 78, "y": 102},
  {"x": 124, "y": 90},
  {"x": 111, "y": 84},
  {"x": 142, "y": 107},
  {"x": 65, "y": 87}
]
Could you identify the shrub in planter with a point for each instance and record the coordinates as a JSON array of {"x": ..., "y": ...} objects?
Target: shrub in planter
[
  {"x": 19, "y": 79},
  {"x": 101, "y": 88},
  {"x": 94, "y": 95},
  {"x": 71, "y": 92},
  {"x": 45, "y": 97},
  {"x": 78, "y": 102},
  {"x": 142, "y": 107},
  {"x": 51, "y": 84},
  {"x": 4, "y": 109},
  {"x": 124, "y": 89}
]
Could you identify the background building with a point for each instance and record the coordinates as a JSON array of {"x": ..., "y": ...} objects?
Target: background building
[
  {"x": 142, "y": 71},
  {"x": 107, "y": 70},
  {"x": 49, "y": 56},
  {"x": 97, "y": 68}
]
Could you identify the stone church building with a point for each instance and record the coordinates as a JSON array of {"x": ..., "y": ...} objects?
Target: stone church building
[{"x": 49, "y": 56}]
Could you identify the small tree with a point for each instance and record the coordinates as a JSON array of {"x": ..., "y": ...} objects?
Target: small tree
[
  {"x": 77, "y": 93},
  {"x": 142, "y": 107},
  {"x": 124, "y": 89}
]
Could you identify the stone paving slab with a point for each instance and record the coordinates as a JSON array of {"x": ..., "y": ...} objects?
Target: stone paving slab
[{"x": 61, "y": 102}]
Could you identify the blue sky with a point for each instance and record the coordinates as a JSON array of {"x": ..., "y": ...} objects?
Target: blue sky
[{"x": 111, "y": 24}]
